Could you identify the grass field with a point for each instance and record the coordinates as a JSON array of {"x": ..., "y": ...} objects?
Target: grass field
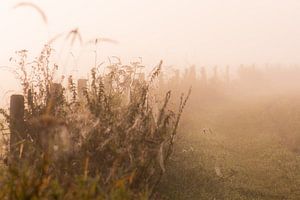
[{"x": 242, "y": 144}]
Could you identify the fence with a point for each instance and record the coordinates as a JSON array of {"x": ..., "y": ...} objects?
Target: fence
[{"x": 17, "y": 124}]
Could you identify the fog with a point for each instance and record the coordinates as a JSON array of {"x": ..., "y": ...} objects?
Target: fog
[
  {"x": 180, "y": 32},
  {"x": 195, "y": 99}
]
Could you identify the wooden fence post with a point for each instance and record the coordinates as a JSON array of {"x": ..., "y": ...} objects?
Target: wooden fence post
[
  {"x": 227, "y": 74},
  {"x": 81, "y": 87},
  {"x": 17, "y": 133},
  {"x": 56, "y": 92}
]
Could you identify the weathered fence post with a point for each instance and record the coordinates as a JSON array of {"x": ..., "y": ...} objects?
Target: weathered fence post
[
  {"x": 227, "y": 74},
  {"x": 17, "y": 133},
  {"x": 56, "y": 91},
  {"x": 203, "y": 76},
  {"x": 81, "y": 87}
]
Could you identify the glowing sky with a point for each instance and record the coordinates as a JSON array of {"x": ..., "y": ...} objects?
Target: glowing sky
[{"x": 202, "y": 32}]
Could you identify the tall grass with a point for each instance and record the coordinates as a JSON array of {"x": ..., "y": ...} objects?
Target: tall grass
[{"x": 106, "y": 143}]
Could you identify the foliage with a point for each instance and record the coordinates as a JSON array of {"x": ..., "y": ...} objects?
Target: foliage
[{"x": 102, "y": 142}]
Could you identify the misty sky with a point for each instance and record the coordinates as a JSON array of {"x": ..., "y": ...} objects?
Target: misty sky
[{"x": 181, "y": 32}]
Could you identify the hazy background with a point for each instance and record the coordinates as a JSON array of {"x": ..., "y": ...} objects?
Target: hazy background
[{"x": 201, "y": 32}]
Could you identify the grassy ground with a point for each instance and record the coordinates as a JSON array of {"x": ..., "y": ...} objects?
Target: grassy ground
[{"x": 251, "y": 152}]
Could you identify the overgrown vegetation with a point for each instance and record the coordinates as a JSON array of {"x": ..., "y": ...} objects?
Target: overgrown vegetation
[
  {"x": 114, "y": 138},
  {"x": 107, "y": 140}
]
